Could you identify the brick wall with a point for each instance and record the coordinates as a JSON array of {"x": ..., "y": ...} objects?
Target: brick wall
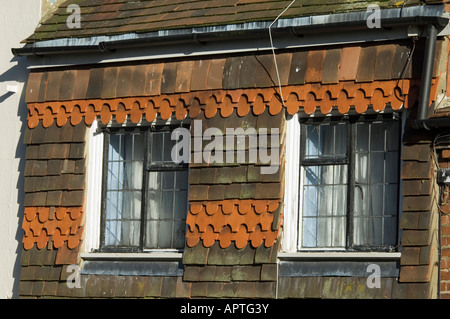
[{"x": 444, "y": 162}]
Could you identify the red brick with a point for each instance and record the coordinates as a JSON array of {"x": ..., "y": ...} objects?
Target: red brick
[
  {"x": 445, "y": 252},
  {"x": 445, "y": 153},
  {"x": 445, "y": 230},
  {"x": 445, "y": 275}
]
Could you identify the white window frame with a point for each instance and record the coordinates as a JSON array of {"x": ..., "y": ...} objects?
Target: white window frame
[
  {"x": 93, "y": 207},
  {"x": 292, "y": 229}
]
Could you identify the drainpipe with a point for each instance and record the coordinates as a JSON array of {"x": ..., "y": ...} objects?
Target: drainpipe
[
  {"x": 422, "y": 121},
  {"x": 427, "y": 74}
]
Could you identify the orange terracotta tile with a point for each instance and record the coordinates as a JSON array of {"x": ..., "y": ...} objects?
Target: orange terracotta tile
[
  {"x": 226, "y": 107},
  {"x": 251, "y": 220},
  {"x": 307, "y": 97},
  {"x": 272, "y": 206},
  {"x": 266, "y": 220},
  {"x": 275, "y": 105},
  {"x": 60, "y": 212},
  {"x": 244, "y": 206},
  {"x": 28, "y": 242},
  {"x": 270, "y": 238},
  {"x": 261, "y": 206},
  {"x": 36, "y": 227},
  {"x": 292, "y": 104},
  {"x": 26, "y": 228},
  {"x": 58, "y": 239},
  {"x": 30, "y": 213},
  {"x": 74, "y": 240},
  {"x": 65, "y": 224},
  {"x": 228, "y": 206},
  {"x": 211, "y": 107},
  {"x": 243, "y": 106},
  {"x": 258, "y": 106},
  {"x": 209, "y": 236},
  {"x": 241, "y": 237},
  {"x": 203, "y": 220},
  {"x": 50, "y": 226},
  {"x": 42, "y": 240},
  {"x": 225, "y": 237},
  {"x": 212, "y": 207},
  {"x": 219, "y": 221},
  {"x": 192, "y": 237},
  {"x": 195, "y": 208},
  {"x": 235, "y": 220},
  {"x": 256, "y": 237}
]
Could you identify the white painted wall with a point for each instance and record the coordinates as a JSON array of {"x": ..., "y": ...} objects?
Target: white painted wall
[{"x": 18, "y": 19}]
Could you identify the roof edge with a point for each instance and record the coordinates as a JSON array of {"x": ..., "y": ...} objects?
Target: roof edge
[{"x": 417, "y": 15}]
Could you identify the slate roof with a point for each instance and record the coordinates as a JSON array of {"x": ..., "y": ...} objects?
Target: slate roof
[{"x": 115, "y": 17}]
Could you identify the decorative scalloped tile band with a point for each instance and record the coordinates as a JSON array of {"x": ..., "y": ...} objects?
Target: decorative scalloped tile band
[
  {"x": 308, "y": 98},
  {"x": 52, "y": 224},
  {"x": 239, "y": 221}
]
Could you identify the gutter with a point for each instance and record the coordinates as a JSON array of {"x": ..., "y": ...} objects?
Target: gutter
[{"x": 410, "y": 16}]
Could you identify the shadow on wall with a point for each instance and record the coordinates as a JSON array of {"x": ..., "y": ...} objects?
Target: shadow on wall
[{"x": 18, "y": 74}]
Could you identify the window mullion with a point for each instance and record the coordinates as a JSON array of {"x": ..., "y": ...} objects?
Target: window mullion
[
  {"x": 351, "y": 184},
  {"x": 144, "y": 190}
]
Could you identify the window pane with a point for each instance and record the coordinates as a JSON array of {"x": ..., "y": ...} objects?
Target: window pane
[
  {"x": 340, "y": 139},
  {"x": 376, "y": 169},
  {"x": 377, "y": 136},
  {"x": 168, "y": 146},
  {"x": 180, "y": 205},
  {"x": 326, "y": 140},
  {"x": 179, "y": 234},
  {"x": 324, "y": 206},
  {"x": 157, "y": 147},
  {"x": 312, "y": 141},
  {"x": 309, "y": 231},
  {"x": 368, "y": 231},
  {"x": 168, "y": 180},
  {"x": 362, "y": 137},
  {"x": 392, "y": 135},
  {"x": 392, "y": 168},
  {"x": 326, "y": 134}
]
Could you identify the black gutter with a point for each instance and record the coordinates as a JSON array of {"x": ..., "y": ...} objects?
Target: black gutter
[{"x": 204, "y": 37}]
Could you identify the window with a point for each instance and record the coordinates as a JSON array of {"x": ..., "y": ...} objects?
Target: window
[
  {"x": 145, "y": 199},
  {"x": 349, "y": 184}
]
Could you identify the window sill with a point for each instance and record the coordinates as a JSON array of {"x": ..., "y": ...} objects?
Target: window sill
[
  {"x": 166, "y": 264},
  {"x": 151, "y": 256},
  {"x": 333, "y": 255}
]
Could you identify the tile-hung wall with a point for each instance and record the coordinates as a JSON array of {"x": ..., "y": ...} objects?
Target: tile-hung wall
[{"x": 234, "y": 216}]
